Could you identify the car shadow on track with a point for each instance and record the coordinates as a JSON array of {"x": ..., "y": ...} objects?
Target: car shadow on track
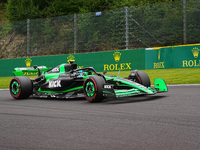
[
  {"x": 134, "y": 99},
  {"x": 59, "y": 99}
]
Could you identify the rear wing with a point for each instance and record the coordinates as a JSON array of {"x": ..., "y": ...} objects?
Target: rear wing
[{"x": 29, "y": 71}]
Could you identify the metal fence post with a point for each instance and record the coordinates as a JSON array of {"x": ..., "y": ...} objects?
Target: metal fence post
[
  {"x": 127, "y": 27},
  {"x": 75, "y": 33},
  {"x": 28, "y": 37},
  {"x": 184, "y": 23}
]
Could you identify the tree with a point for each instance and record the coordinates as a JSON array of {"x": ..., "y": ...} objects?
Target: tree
[{"x": 22, "y": 9}]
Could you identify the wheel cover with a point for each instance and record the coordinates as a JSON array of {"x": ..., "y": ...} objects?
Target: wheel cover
[
  {"x": 90, "y": 89},
  {"x": 15, "y": 88}
]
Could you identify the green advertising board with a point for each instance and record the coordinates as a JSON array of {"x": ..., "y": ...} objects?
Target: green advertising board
[
  {"x": 152, "y": 58},
  {"x": 186, "y": 56},
  {"x": 161, "y": 58},
  {"x": 101, "y": 61}
]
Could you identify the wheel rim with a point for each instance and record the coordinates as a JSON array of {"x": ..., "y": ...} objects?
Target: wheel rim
[
  {"x": 15, "y": 88},
  {"x": 90, "y": 89}
]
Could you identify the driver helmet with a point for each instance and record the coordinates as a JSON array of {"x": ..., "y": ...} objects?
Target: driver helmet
[{"x": 80, "y": 72}]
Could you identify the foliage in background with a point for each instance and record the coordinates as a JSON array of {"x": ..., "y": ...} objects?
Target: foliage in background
[
  {"x": 3, "y": 18},
  {"x": 151, "y": 24},
  {"x": 22, "y": 9},
  {"x": 31, "y": 9}
]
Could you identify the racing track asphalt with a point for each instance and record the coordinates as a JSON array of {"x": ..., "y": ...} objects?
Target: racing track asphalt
[{"x": 168, "y": 121}]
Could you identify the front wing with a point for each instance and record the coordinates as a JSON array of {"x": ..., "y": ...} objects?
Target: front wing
[{"x": 134, "y": 88}]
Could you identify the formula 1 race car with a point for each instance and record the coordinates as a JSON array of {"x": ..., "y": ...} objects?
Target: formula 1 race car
[{"x": 66, "y": 81}]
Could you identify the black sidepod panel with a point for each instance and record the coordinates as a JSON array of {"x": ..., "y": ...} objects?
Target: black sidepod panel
[{"x": 61, "y": 84}]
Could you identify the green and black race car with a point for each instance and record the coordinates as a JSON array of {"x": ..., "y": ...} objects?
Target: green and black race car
[{"x": 66, "y": 81}]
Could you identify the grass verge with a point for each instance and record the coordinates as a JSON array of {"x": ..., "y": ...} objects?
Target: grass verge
[{"x": 171, "y": 76}]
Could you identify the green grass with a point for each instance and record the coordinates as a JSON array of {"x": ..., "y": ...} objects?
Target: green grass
[
  {"x": 5, "y": 81},
  {"x": 171, "y": 76}
]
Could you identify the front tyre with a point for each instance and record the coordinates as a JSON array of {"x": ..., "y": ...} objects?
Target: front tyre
[
  {"x": 140, "y": 77},
  {"x": 144, "y": 79},
  {"x": 20, "y": 87},
  {"x": 93, "y": 88}
]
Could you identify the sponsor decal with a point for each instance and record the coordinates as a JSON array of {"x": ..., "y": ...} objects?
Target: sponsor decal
[
  {"x": 54, "y": 84},
  {"x": 107, "y": 86},
  {"x": 72, "y": 58},
  {"x": 117, "y": 56},
  {"x": 79, "y": 67},
  {"x": 117, "y": 66},
  {"x": 191, "y": 63},
  {"x": 26, "y": 73},
  {"x": 55, "y": 70},
  {"x": 159, "y": 55},
  {"x": 159, "y": 65},
  {"x": 28, "y": 62},
  {"x": 122, "y": 66},
  {"x": 195, "y": 52},
  {"x": 194, "y": 62}
]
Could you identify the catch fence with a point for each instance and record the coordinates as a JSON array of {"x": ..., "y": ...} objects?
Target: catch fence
[{"x": 164, "y": 24}]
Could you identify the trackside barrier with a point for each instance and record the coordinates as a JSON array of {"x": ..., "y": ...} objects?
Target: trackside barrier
[
  {"x": 152, "y": 58},
  {"x": 101, "y": 61},
  {"x": 173, "y": 57},
  {"x": 159, "y": 58}
]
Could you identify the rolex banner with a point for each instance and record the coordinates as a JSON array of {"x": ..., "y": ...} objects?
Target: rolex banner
[
  {"x": 151, "y": 58},
  {"x": 101, "y": 61},
  {"x": 187, "y": 57},
  {"x": 159, "y": 58},
  {"x": 173, "y": 57}
]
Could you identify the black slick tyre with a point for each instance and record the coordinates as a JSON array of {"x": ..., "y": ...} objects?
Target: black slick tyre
[
  {"x": 20, "y": 87},
  {"x": 93, "y": 88},
  {"x": 143, "y": 78}
]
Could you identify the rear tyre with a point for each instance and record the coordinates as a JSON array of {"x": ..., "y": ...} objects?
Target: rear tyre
[
  {"x": 93, "y": 88},
  {"x": 21, "y": 87}
]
